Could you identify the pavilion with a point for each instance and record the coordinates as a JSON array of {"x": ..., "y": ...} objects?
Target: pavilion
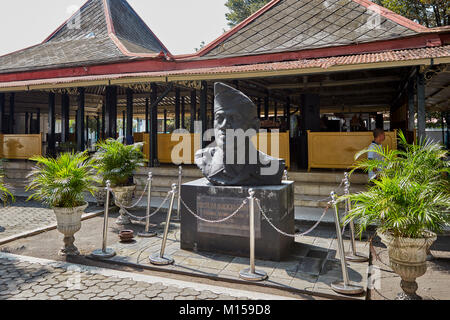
[{"x": 299, "y": 60}]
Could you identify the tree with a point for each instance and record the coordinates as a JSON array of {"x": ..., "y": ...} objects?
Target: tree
[
  {"x": 242, "y": 9},
  {"x": 202, "y": 45},
  {"x": 430, "y": 13}
]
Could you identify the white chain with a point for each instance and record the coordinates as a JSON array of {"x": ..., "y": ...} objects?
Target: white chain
[
  {"x": 150, "y": 215},
  {"x": 125, "y": 207},
  {"x": 292, "y": 235},
  {"x": 216, "y": 221}
]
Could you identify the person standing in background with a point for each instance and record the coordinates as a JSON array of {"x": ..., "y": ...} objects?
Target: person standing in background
[{"x": 378, "y": 139}]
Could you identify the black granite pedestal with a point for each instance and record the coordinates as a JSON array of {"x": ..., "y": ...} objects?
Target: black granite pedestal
[{"x": 233, "y": 236}]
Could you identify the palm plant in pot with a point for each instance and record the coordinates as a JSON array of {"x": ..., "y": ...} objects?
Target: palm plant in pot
[
  {"x": 5, "y": 193},
  {"x": 117, "y": 163},
  {"x": 409, "y": 202},
  {"x": 61, "y": 183}
]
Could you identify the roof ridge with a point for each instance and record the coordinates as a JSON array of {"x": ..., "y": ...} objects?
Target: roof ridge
[
  {"x": 391, "y": 15},
  {"x": 120, "y": 45}
]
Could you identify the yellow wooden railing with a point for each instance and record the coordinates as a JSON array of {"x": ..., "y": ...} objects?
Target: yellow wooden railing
[
  {"x": 168, "y": 154},
  {"x": 337, "y": 150},
  {"x": 20, "y": 146}
]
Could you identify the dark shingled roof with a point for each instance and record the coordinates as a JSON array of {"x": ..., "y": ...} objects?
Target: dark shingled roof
[
  {"x": 292, "y": 25},
  {"x": 102, "y": 31}
]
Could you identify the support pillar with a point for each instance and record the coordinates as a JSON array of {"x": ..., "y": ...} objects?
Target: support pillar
[
  {"x": 258, "y": 106},
  {"x": 288, "y": 112},
  {"x": 97, "y": 135},
  {"x": 153, "y": 161},
  {"x": 124, "y": 132},
  {"x": 177, "y": 108},
  {"x": 266, "y": 108},
  {"x": 276, "y": 112},
  {"x": 129, "y": 131},
  {"x": 87, "y": 132},
  {"x": 203, "y": 110},
  {"x": 212, "y": 113},
  {"x": 51, "y": 146},
  {"x": 147, "y": 116},
  {"x": 65, "y": 107},
  {"x": 38, "y": 119},
  {"x": 421, "y": 120},
  {"x": 193, "y": 109},
  {"x": 81, "y": 142},
  {"x": 183, "y": 113},
  {"x": 32, "y": 128},
  {"x": 379, "y": 121},
  {"x": 2, "y": 110},
  {"x": 411, "y": 106},
  {"x": 103, "y": 135},
  {"x": 27, "y": 131},
  {"x": 310, "y": 120},
  {"x": 11, "y": 113},
  {"x": 111, "y": 112},
  {"x": 165, "y": 121}
]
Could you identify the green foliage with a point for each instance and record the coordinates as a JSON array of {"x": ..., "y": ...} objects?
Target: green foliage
[
  {"x": 430, "y": 13},
  {"x": 202, "y": 45},
  {"x": 411, "y": 194},
  {"x": 5, "y": 194},
  {"x": 242, "y": 9},
  {"x": 61, "y": 182},
  {"x": 117, "y": 162}
]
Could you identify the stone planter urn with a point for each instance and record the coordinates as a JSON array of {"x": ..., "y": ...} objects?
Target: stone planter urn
[
  {"x": 408, "y": 258},
  {"x": 100, "y": 196},
  {"x": 123, "y": 196},
  {"x": 68, "y": 223}
]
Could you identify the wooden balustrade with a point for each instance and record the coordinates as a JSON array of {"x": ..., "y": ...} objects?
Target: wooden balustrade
[
  {"x": 20, "y": 146},
  {"x": 337, "y": 150},
  {"x": 167, "y": 154}
]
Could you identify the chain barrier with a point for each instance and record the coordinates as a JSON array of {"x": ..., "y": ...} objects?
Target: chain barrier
[
  {"x": 214, "y": 221},
  {"x": 297, "y": 234},
  {"x": 150, "y": 215}
]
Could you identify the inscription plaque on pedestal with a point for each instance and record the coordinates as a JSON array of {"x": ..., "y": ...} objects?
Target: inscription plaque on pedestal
[
  {"x": 214, "y": 209},
  {"x": 232, "y": 237}
]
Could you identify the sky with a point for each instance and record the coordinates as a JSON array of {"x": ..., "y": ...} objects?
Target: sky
[{"x": 180, "y": 24}]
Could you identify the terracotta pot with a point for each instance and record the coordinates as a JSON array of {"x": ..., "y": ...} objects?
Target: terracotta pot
[
  {"x": 123, "y": 196},
  {"x": 407, "y": 257},
  {"x": 68, "y": 223},
  {"x": 126, "y": 235}
]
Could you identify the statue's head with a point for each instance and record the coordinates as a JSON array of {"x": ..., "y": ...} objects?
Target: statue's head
[{"x": 232, "y": 110}]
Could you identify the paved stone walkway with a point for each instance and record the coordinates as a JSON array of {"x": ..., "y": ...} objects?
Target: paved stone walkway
[
  {"x": 312, "y": 266},
  {"x": 23, "y": 216},
  {"x": 26, "y": 278}
]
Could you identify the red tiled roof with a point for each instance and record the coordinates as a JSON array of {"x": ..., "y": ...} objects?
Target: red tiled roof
[{"x": 324, "y": 63}]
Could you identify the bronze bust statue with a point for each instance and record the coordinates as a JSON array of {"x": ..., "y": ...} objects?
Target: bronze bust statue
[{"x": 232, "y": 160}]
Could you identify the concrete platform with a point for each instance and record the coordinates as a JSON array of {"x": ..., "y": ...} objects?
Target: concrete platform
[{"x": 310, "y": 268}]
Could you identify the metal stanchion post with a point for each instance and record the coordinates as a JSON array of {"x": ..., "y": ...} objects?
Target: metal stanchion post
[
  {"x": 147, "y": 233},
  {"x": 343, "y": 287},
  {"x": 353, "y": 256},
  {"x": 160, "y": 258},
  {"x": 105, "y": 252},
  {"x": 180, "y": 177},
  {"x": 251, "y": 274}
]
